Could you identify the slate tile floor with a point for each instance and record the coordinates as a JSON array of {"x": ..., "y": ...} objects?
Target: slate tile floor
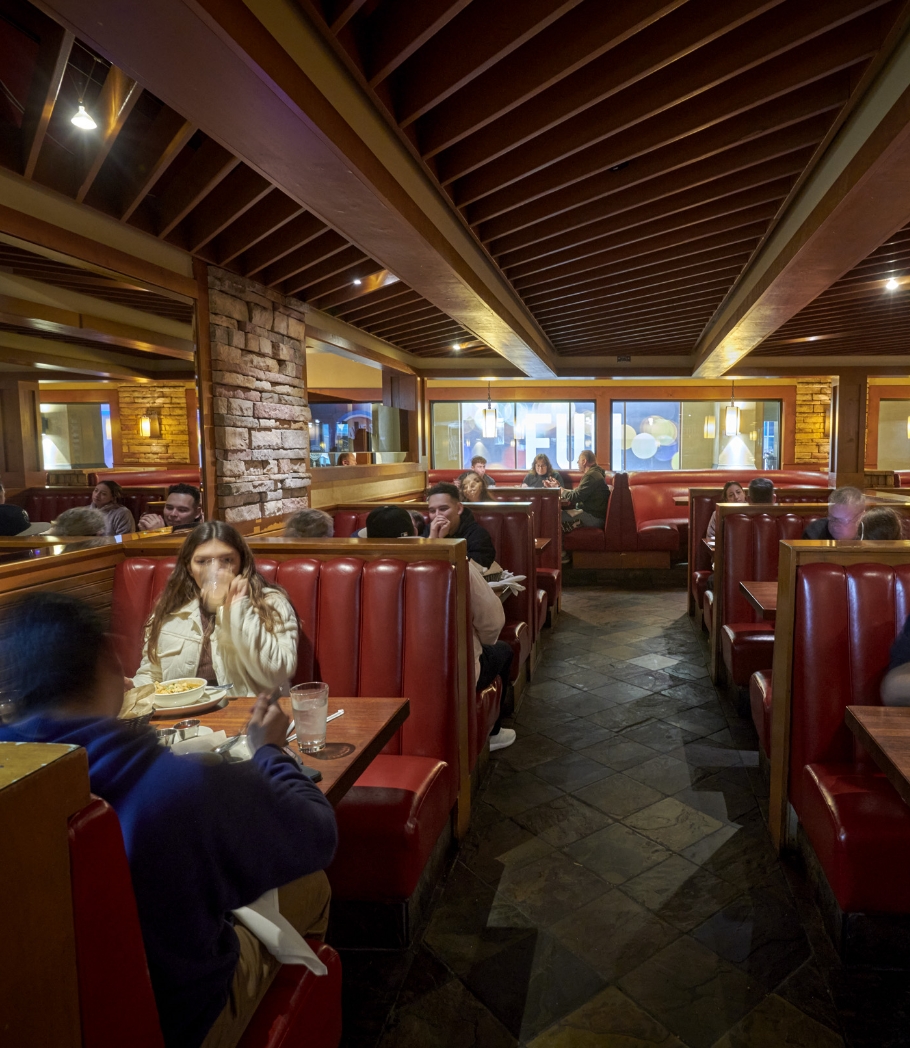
[{"x": 617, "y": 888}]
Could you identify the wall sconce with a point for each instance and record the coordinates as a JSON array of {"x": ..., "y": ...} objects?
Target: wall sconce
[
  {"x": 150, "y": 425},
  {"x": 753, "y": 435},
  {"x": 908, "y": 427},
  {"x": 827, "y": 427},
  {"x": 710, "y": 427}
]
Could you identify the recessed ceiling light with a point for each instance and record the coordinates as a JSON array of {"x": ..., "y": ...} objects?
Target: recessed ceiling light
[
  {"x": 456, "y": 346},
  {"x": 357, "y": 281},
  {"x": 813, "y": 338},
  {"x": 83, "y": 120},
  {"x": 892, "y": 284}
]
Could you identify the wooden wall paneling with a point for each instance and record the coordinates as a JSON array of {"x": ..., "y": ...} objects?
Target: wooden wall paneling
[{"x": 205, "y": 382}]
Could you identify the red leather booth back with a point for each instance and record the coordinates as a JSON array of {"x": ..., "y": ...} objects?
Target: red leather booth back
[
  {"x": 547, "y": 519},
  {"x": 49, "y": 503},
  {"x": 509, "y": 477},
  {"x": 846, "y": 619},
  {"x": 367, "y": 627},
  {"x": 512, "y": 532},
  {"x": 115, "y": 992},
  {"x": 149, "y": 478},
  {"x": 751, "y": 551}
]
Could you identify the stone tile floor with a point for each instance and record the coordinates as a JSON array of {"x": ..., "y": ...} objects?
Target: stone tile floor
[{"x": 617, "y": 888}]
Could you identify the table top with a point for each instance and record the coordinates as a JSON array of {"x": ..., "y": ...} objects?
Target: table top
[
  {"x": 680, "y": 500},
  {"x": 352, "y": 741},
  {"x": 885, "y": 733},
  {"x": 709, "y": 543},
  {"x": 762, "y": 596},
  {"x": 541, "y": 544}
]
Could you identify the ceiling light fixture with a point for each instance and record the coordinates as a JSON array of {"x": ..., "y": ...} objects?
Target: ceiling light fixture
[
  {"x": 357, "y": 281},
  {"x": 489, "y": 416},
  {"x": 893, "y": 284},
  {"x": 82, "y": 119},
  {"x": 456, "y": 346}
]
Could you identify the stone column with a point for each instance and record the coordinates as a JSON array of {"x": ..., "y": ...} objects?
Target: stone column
[
  {"x": 848, "y": 428},
  {"x": 259, "y": 403}
]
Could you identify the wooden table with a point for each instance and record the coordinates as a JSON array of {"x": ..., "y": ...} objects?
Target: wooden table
[
  {"x": 885, "y": 733},
  {"x": 762, "y": 596},
  {"x": 680, "y": 500},
  {"x": 541, "y": 544},
  {"x": 710, "y": 545},
  {"x": 352, "y": 741}
]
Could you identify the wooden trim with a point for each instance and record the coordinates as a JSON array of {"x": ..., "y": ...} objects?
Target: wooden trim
[
  {"x": 192, "y": 423},
  {"x": 793, "y": 556},
  {"x": 37, "y": 231},
  {"x": 873, "y": 412},
  {"x": 206, "y": 393}
]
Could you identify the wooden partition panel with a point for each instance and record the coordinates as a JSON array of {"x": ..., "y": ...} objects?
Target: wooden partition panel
[{"x": 793, "y": 556}]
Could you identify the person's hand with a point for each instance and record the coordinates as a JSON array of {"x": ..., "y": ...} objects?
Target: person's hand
[
  {"x": 268, "y": 725},
  {"x": 216, "y": 587},
  {"x": 439, "y": 527},
  {"x": 127, "y": 684},
  {"x": 238, "y": 589},
  {"x": 550, "y": 482},
  {"x": 151, "y": 521}
]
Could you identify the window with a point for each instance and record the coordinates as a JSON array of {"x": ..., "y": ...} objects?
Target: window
[
  {"x": 510, "y": 438},
  {"x": 695, "y": 434},
  {"x": 76, "y": 436},
  {"x": 894, "y": 434}
]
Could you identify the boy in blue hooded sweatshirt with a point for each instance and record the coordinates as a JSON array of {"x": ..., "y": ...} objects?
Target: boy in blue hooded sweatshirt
[{"x": 202, "y": 839}]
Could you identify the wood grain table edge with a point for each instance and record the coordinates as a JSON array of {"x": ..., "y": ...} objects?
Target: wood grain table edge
[
  {"x": 876, "y": 751},
  {"x": 374, "y": 747}
]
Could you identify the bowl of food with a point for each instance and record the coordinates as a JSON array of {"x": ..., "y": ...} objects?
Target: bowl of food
[{"x": 183, "y": 691}]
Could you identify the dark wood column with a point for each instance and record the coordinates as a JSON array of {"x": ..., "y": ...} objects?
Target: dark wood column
[
  {"x": 848, "y": 427},
  {"x": 22, "y": 464}
]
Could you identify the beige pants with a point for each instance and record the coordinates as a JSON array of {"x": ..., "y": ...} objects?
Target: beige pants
[{"x": 305, "y": 903}]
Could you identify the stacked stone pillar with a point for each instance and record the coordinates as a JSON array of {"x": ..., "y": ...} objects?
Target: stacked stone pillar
[{"x": 259, "y": 408}]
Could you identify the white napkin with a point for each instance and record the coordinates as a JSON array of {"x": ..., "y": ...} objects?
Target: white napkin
[
  {"x": 277, "y": 934},
  {"x": 508, "y": 582},
  {"x": 200, "y": 743}
]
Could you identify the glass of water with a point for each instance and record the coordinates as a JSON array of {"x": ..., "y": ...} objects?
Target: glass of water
[{"x": 310, "y": 703}]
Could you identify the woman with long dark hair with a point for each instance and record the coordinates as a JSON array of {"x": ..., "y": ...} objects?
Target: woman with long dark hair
[
  {"x": 543, "y": 475},
  {"x": 219, "y": 619},
  {"x": 117, "y": 519}
]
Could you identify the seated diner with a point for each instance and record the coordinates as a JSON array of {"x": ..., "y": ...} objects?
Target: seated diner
[
  {"x": 449, "y": 519},
  {"x": 80, "y": 520},
  {"x": 117, "y": 518},
  {"x": 182, "y": 510},
  {"x": 733, "y": 492},
  {"x": 310, "y": 524},
  {"x": 474, "y": 488},
  {"x": 845, "y": 516},
  {"x": 543, "y": 475}
]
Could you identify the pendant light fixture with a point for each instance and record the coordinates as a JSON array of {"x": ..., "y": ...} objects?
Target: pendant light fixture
[
  {"x": 731, "y": 415},
  {"x": 908, "y": 427},
  {"x": 710, "y": 427},
  {"x": 489, "y": 416},
  {"x": 82, "y": 119}
]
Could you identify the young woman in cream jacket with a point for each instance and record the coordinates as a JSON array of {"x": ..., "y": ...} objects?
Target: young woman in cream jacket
[{"x": 219, "y": 619}]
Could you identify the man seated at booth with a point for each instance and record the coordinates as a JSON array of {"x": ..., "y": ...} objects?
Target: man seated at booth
[
  {"x": 449, "y": 519},
  {"x": 202, "y": 839},
  {"x": 310, "y": 524},
  {"x": 761, "y": 492},
  {"x": 78, "y": 521},
  {"x": 14, "y": 523},
  {"x": 348, "y": 458},
  {"x": 182, "y": 510},
  {"x": 479, "y": 466},
  {"x": 492, "y": 656},
  {"x": 845, "y": 513},
  {"x": 590, "y": 497}
]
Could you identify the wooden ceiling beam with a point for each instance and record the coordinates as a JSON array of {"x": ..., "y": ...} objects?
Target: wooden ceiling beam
[
  {"x": 784, "y": 168},
  {"x": 368, "y": 284},
  {"x": 653, "y": 119},
  {"x": 340, "y": 12},
  {"x": 324, "y": 246},
  {"x": 160, "y": 147},
  {"x": 399, "y": 28},
  {"x": 228, "y": 201},
  {"x": 336, "y": 262},
  {"x": 621, "y": 314},
  {"x": 342, "y": 283},
  {"x": 768, "y": 196},
  {"x": 679, "y": 320},
  {"x": 815, "y": 105},
  {"x": 726, "y": 230},
  {"x": 50, "y": 65},
  {"x": 398, "y": 322},
  {"x": 115, "y": 103},
  {"x": 635, "y": 66},
  {"x": 106, "y": 333},
  {"x": 290, "y": 236},
  {"x": 210, "y": 164},
  {"x": 262, "y": 219},
  {"x": 379, "y": 303},
  {"x": 473, "y": 42},
  {"x": 582, "y": 35},
  {"x": 438, "y": 339}
]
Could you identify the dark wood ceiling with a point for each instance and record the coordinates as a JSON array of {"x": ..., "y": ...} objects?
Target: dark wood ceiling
[
  {"x": 146, "y": 166},
  {"x": 621, "y": 162},
  {"x": 858, "y": 315}
]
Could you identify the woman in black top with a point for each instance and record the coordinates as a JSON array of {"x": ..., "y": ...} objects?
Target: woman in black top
[{"x": 542, "y": 472}]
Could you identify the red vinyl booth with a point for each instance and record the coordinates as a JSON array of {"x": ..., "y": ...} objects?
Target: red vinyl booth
[
  {"x": 751, "y": 548},
  {"x": 846, "y": 618},
  {"x": 148, "y": 478},
  {"x": 506, "y": 477},
  {"x": 760, "y": 704},
  {"x": 367, "y": 627},
  {"x": 547, "y": 525},
  {"x": 49, "y": 503},
  {"x": 116, "y": 1002}
]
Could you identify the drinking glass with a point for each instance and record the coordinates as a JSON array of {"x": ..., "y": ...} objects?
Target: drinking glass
[
  {"x": 216, "y": 581},
  {"x": 310, "y": 703}
]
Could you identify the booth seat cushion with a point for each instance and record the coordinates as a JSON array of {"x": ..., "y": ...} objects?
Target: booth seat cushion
[
  {"x": 388, "y": 824},
  {"x": 700, "y": 586},
  {"x": 658, "y": 536},
  {"x": 550, "y": 581},
  {"x": 708, "y": 609},
  {"x": 299, "y": 1007},
  {"x": 518, "y": 636},
  {"x": 747, "y": 647},
  {"x": 486, "y": 713},
  {"x": 760, "y": 703},
  {"x": 860, "y": 830},
  {"x": 588, "y": 539}
]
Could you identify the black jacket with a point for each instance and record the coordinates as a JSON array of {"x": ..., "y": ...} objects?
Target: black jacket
[
  {"x": 592, "y": 493},
  {"x": 480, "y": 545},
  {"x": 535, "y": 480},
  {"x": 818, "y": 529}
]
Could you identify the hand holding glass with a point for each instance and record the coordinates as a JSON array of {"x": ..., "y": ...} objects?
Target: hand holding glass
[
  {"x": 310, "y": 703},
  {"x": 216, "y": 582}
]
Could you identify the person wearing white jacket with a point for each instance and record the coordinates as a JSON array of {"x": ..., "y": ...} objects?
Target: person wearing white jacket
[{"x": 219, "y": 619}]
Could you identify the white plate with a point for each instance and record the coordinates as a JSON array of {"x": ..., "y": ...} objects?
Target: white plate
[{"x": 207, "y": 702}]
